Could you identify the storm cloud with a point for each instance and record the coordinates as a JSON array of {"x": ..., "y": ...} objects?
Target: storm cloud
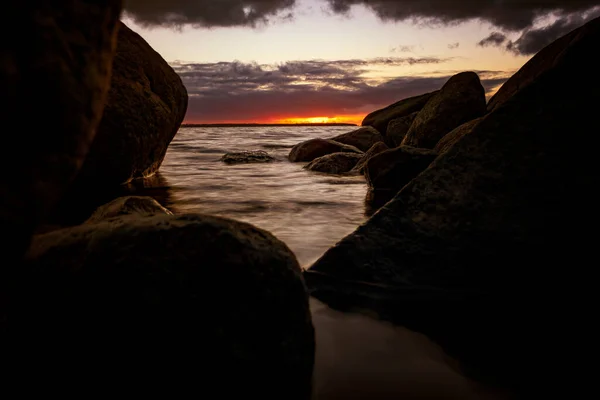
[{"x": 235, "y": 91}]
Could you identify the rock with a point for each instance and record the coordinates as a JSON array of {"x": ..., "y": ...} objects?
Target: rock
[
  {"x": 373, "y": 151},
  {"x": 381, "y": 118},
  {"x": 136, "y": 206},
  {"x": 247, "y": 157},
  {"x": 315, "y": 148},
  {"x": 461, "y": 99},
  {"x": 463, "y": 252},
  {"x": 336, "y": 163},
  {"x": 393, "y": 169},
  {"x": 398, "y": 128},
  {"x": 146, "y": 105},
  {"x": 453, "y": 137},
  {"x": 161, "y": 298},
  {"x": 52, "y": 102},
  {"x": 362, "y": 138}
]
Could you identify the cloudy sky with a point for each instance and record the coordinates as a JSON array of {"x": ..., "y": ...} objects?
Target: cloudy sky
[{"x": 337, "y": 60}]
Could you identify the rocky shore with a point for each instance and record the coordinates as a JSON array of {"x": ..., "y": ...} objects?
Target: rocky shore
[{"x": 468, "y": 264}]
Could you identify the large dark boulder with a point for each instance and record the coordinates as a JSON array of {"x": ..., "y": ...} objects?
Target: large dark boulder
[
  {"x": 336, "y": 163},
  {"x": 487, "y": 251},
  {"x": 377, "y": 148},
  {"x": 55, "y": 65},
  {"x": 362, "y": 138},
  {"x": 461, "y": 99},
  {"x": 189, "y": 302},
  {"x": 398, "y": 128},
  {"x": 146, "y": 105},
  {"x": 315, "y": 148},
  {"x": 454, "y": 136},
  {"x": 381, "y": 118},
  {"x": 133, "y": 206},
  {"x": 393, "y": 169}
]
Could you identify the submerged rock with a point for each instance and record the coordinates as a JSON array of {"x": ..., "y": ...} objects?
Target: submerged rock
[
  {"x": 392, "y": 169},
  {"x": 463, "y": 252},
  {"x": 146, "y": 105},
  {"x": 462, "y": 99},
  {"x": 315, "y": 148},
  {"x": 377, "y": 148},
  {"x": 136, "y": 206},
  {"x": 398, "y": 128},
  {"x": 55, "y": 63},
  {"x": 336, "y": 163},
  {"x": 362, "y": 138},
  {"x": 161, "y": 298},
  {"x": 247, "y": 157},
  {"x": 381, "y": 118}
]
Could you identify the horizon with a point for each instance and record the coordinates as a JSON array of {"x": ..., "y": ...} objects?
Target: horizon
[{"x": 335, "y": 61}]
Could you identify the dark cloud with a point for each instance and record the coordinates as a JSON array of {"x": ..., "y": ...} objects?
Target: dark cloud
[
  {"x": 507, "y": 14},
  {"x": 234, "y": 91},
  {"x": 495, "y": 39},
  {"x": 453, "y": 46},
  {"x": 206, "y": 13}
]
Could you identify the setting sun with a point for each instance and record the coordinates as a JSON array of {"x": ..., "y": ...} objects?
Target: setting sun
[{"x": 342, "y": 119}]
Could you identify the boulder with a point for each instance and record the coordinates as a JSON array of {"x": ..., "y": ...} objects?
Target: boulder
[
  {"x": 159, "y": 300},
  {"x": 373, "y": 151},
  {"x": 247, "y": 157},
  {"x": 336, "y": 163},
  {"x": 135, "y": 206},
  {"x": 362, "y": 138},
  {"x": 381, "y": 118},
  {"x": 453, "y": 137},
  {"x": 461, "y": 99},
  {"x": 393, "y": 169},
  {"x": 315, "y": 148},
  {"x": 146, "y": 105},
  {"x": 398, "y": 128},
  {"x": 480, "y": 250},
  {"x": 55, "y": 65}
]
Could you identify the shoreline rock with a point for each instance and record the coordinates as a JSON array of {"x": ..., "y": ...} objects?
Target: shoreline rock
[
  {"x": 315, "y": 148},
  {"x": 244, "y": 157}
]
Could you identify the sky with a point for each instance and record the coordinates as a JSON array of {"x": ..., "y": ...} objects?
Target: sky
[{"x": 280, "y": 61}]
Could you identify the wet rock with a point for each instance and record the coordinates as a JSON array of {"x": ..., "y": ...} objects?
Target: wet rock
[
  {"x": 362, "y": 138},
  {"x": 315, "y": 148},
  {"x": 398, "y": 128},
  {"x": 52, "y": 104},
  {"x": 136, "y": 206},
  {"x": 247, "y": 157},
  {"x": 146, "y": 105},
  {"x": 161, "y": 298},
  {"x": 381, "y": 118},
  {"x": 453, "y": 137},
  {"x": 462, "y": 253},
  {"x": 462, "y": 99},
  {"x": 391, "y": 170},
  {"x": 373, "y": 151},
  {"x": 336, "y": 163}
]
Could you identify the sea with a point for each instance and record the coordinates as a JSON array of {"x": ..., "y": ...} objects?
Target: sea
[{"x": 308, "y": 211}]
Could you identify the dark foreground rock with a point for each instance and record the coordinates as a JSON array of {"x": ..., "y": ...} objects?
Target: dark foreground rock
[
  {"x": 135, "y": 206},
  {"x": 247, "y": 157},
  {"x": 392, "y": 169},
  {"x": 454, "y": 136},
  {"x": 461, "y": 99},
  {"x": 315, "y": 148},
  {"x": 362, "y": 138},
  {"x": 52, "y": 102},
  {"x": 336, "y": 163},
  {"x": 377, "y": 148},
  {"x": 464, "y": 252},
  {"x": 381, "y": 118},
  {"x": 398, "y": 128},
  {"x": 159, "y": 300},
  {"x": 145, "y": 107}
]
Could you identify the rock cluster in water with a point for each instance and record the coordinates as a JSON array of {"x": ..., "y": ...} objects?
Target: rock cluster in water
[{"x": 487, "y": 229}]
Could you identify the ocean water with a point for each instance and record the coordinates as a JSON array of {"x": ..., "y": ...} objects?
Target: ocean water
[{"x": 308, "y": 211}]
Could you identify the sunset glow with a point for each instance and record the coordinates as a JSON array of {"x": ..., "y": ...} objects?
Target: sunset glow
[{"x": 342, "y": 119}]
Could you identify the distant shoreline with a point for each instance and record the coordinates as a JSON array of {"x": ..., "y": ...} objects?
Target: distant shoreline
[{"x": 259, "y": 125}]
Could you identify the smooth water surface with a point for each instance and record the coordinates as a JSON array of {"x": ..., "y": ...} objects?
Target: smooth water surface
[{"x": 309, "y": 211}]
